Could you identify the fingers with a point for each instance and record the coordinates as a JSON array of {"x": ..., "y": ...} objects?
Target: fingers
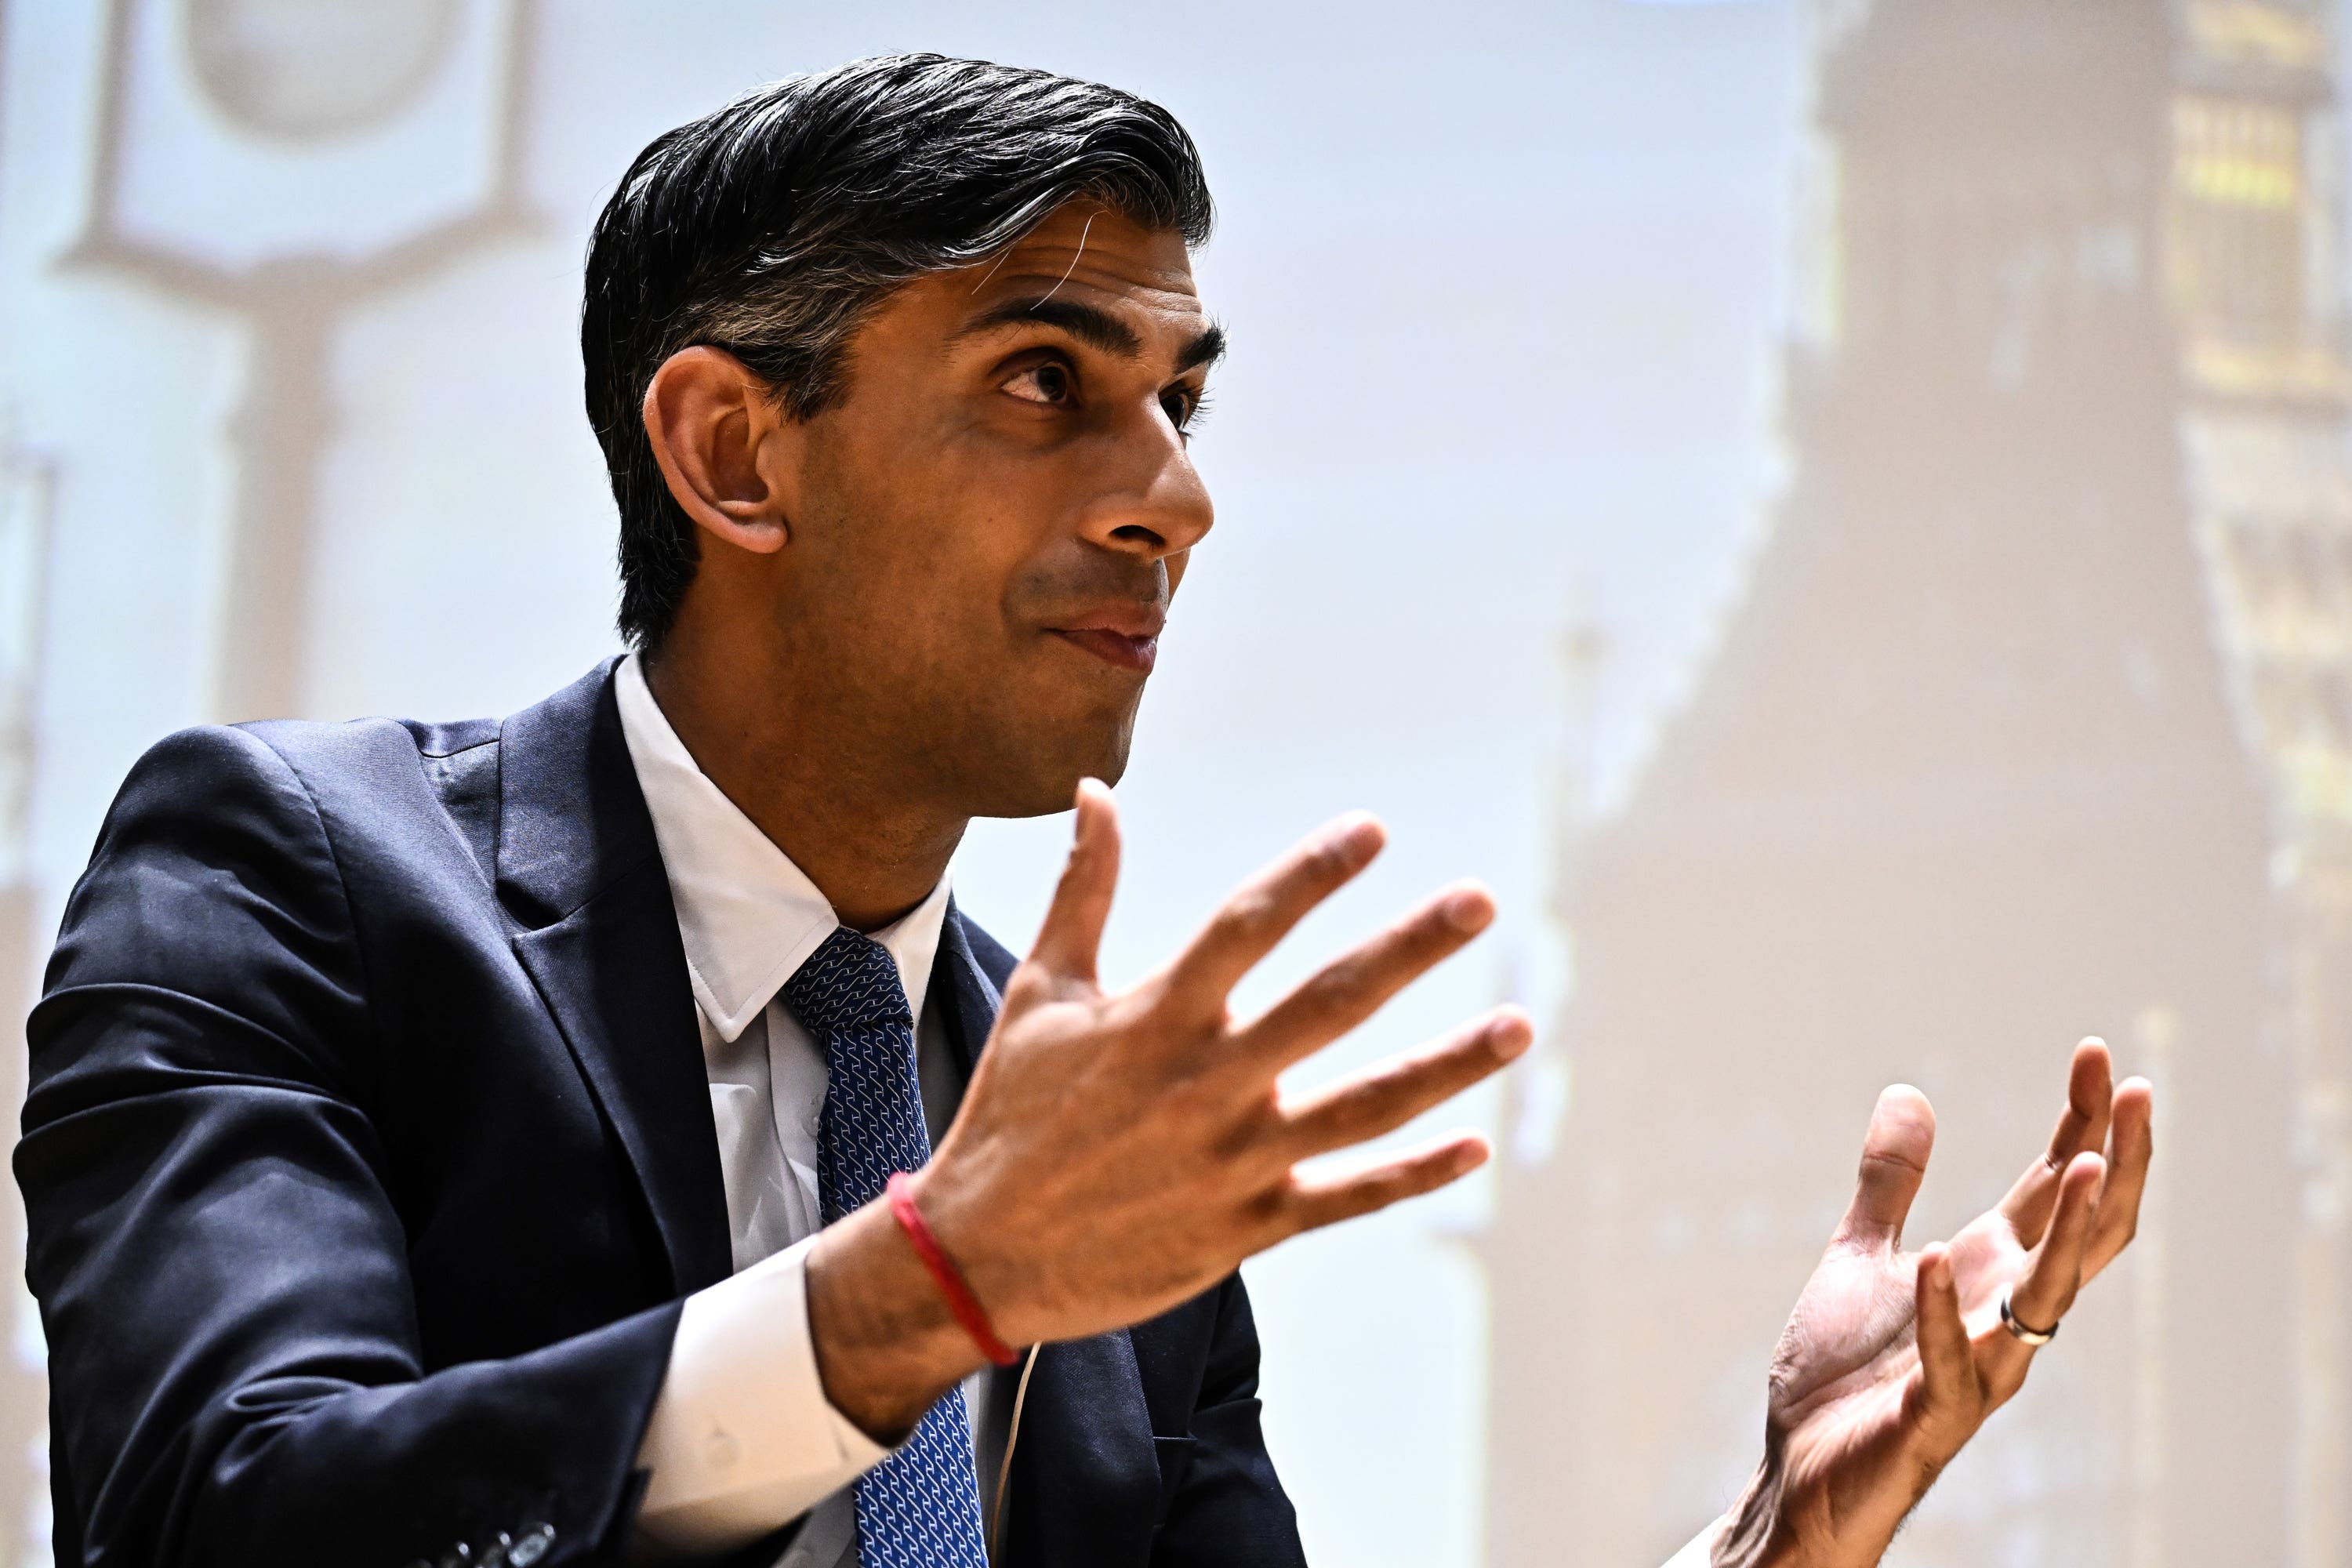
[
  {"x": 2043, "y": 1297},
  {"x": 1070, "y": 939},
  {"x": 1392, "y": 1093},
  {"x": 1352, "y": 987},
  {"x": 1951, "y": 1398},
  {"x": 2082, "y": 1125},
  {"x": 1894, "y": 1160},
  {"x": 2130, "y": 1147},
  {"x": 1265, "y": 908},
  {"x": 1316, "y": 1201}
]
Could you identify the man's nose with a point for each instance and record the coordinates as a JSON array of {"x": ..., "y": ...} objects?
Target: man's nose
[{"x": 1163, "y": 509}]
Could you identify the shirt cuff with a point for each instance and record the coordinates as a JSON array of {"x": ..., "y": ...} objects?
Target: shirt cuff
[{"x": 742, "y": 1439}]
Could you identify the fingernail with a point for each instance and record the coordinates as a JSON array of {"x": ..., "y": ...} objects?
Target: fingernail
[
  {"x": 1512, "y": 1034},
  {"x": 1467, "y": 909}
]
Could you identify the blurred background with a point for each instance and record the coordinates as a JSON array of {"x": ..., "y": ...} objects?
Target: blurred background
[{"x": 1839, "y": 510}]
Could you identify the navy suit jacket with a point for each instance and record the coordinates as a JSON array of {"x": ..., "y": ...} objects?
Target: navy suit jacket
[{"x": 369, "y": 1153}]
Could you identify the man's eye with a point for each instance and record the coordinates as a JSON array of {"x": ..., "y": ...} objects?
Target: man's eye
[
  {"x": 1185, "y": 409},
  {"x": 1048, "y": 384}
]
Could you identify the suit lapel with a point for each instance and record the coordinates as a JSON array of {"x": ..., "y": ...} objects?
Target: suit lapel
[
  {"x": 971, "y": 994},
  {"x": 580, "y": 870}
]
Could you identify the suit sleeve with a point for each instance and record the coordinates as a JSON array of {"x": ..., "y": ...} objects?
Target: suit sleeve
[
  {"x": 1228, "y": 1509},
  {"x": 233, "y": 1355}
]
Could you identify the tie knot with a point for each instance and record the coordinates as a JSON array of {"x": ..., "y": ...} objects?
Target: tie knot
[{"x": 850, "y": 981}]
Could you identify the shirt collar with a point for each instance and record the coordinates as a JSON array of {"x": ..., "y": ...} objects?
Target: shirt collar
[{"x": 748, "y": 916}]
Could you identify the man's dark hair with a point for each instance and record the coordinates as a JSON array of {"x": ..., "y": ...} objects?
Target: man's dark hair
[{"x": 773, "y": 227}]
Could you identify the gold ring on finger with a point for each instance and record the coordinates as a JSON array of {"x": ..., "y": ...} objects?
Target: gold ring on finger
[{"x": 2036, "y": 1338}]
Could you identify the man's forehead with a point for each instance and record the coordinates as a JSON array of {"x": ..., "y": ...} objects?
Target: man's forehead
[{"x": 1089, "y": 254}]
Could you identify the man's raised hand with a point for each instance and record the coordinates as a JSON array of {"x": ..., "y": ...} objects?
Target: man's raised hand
[
  {"x": 1118, "y": 1153},
  {"x": 1893, "y": 1359}
]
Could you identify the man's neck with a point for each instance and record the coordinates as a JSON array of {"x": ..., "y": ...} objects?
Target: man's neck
[{"x": 873, "y": 853}]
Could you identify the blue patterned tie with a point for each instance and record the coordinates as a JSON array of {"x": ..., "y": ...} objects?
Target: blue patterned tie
[{"x": 921, "y": 1507}]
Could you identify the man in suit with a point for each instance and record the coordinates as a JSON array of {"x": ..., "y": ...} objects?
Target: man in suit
[{"x": 569, "y": 1138}]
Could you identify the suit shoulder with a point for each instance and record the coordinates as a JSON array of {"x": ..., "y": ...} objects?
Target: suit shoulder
[
  {"x": 301, "y": 786},
  {"x": 193, "y": 771},
  {"x": 215, "y": 799},
  {"x": 328, "y": 748},
  {"x": 213, "y": 877},
  {"x": 394, "y": 784}
]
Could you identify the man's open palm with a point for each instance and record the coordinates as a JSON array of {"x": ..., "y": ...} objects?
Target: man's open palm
[{"x": 1892, "y": 1360}]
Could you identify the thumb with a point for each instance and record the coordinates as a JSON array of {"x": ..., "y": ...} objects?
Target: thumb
[
  {"x": 1893, "y": 1161},
  {"x": 1071, "y": 936}
]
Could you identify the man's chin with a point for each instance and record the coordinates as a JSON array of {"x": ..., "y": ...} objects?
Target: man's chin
[{"x": 1050, "y": 783}]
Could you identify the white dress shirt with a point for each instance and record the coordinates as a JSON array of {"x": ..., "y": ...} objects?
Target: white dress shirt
[{"x": 742, "y": 1439}]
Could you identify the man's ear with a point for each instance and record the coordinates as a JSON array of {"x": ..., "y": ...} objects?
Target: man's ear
[{"x": 723, "y": 442}]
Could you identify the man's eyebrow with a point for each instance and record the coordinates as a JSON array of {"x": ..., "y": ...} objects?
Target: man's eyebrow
[
  {"x": 1087, "y": 324},
  {"x": 1206, "y": 349},
  {"x": 1092, "y": 325}
]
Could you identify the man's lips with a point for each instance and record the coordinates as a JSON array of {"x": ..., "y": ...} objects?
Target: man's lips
[
  {"x": 1127, "y": 637},
  {"x": 1137, "y": 654}
]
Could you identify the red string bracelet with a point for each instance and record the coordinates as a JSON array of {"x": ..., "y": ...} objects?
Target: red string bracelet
[{"x": 944, "y": 1274}]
